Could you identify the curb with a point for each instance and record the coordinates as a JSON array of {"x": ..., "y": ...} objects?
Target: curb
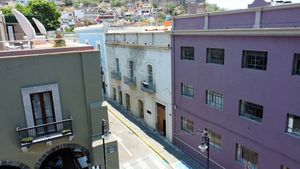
[{"x": 141, "y": 137}]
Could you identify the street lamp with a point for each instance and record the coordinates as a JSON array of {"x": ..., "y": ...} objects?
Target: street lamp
[
  {"x": 105, "y": 132},
  {"x": 205, "y": 145}
]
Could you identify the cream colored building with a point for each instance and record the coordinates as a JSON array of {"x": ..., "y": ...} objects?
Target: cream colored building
[{"x": 139, "y": 65}]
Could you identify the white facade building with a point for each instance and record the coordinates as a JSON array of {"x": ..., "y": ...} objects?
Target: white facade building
[{"x": 139, "y": 67}]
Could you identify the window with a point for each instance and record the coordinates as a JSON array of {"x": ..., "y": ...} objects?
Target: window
[
  {"x": 284, "y": 167},
  {"x": 255, "y": 60},
  {"x": 187, "y": 90},
  {"x": 251, "y": 110},
  {"x": 114, "y": 94},
  {"x": 214, "y": 55},
  {"x": 214, "y": 99},
  {"x": 214, "y": 139},
  {"x": 187, "y": 125},
  {"x": 150, "y": 74},
  {"x": 296, "y": 65},
  {"x": 131, "y": 69},
  {"x": 41, "y": 105},
  {"x": 187, "y": 53},
  {"x": 117, "y": 65},
  {"x": 244, "y": 155},
  {"x": 293, "y": 124}
]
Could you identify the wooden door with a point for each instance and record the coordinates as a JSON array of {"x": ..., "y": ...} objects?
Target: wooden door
[{"x": 161, "y": 119}]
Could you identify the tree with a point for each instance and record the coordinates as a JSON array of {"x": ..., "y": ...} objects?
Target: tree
[
  {"x": 47, "y": 11},
  {"x": 213, "y": 8},
  {"x": 68, "y": 3}
]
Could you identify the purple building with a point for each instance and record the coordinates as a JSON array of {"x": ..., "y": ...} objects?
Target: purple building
[{"x": 237, "y": 73}]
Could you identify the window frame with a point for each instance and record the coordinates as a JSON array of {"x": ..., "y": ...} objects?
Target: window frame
[
  {"x": 239, "y": 153},
  {"x": 290, "y": 127},
  {"x": 187, "y": 90},
  {"x": 217, "y": 58},
  {"x": 185, "y": 49},
  {"x": 215, "y": 139},
  {"x": 256, "y": 56},
  {"x": 212, "y": 99},
  {"x": 243, "y": 112},
  {"x": 187, "y": 125}
]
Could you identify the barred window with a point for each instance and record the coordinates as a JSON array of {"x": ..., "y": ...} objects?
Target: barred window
[
  {"x": 214, "y": 139},
  {"x": 187, "y": 90},
  {"x": 187, "y": 124},
  {"x": 214, "y": 55},
  {"x": 244, "y": 155},
  {"x": 214, "y": 99},
  {"x": 251, "y": 110},
  {"x": 187, "y": 53},
  {"x": 255, "y": 60}
]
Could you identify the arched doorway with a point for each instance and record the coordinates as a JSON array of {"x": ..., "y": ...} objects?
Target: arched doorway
[
  {"x": 127, "y": 99},
  {"x": 140, "y": 109},
  {"x": 66, "y": 156},
  {"x": 8, "y": 164}
]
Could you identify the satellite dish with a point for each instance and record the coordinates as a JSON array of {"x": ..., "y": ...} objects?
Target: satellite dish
[
  {"x": 40, "y": 26},
  {"x": 25, "y": 25}
]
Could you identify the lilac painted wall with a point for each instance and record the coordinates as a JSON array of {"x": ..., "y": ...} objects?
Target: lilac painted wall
[
  {"x": 275, "y": 89},
  {"x": 270, "y": 18},
  {"x": 238, "y": 20},
  {"x": 189, "y": 23},
  {"x": 282, "y": 18}
]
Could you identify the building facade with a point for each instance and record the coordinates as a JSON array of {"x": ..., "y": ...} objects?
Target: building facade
[
  {"x": 95, "y": 36},
  {"x": 51, "y": 108},
  {"x": 236, "y": 73},
  {"x": 139, "y": 67}
]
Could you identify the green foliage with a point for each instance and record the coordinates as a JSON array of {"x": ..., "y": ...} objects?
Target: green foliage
[
  {"x": 66, "y": 131},
  {"x": 59, "y": 41},
  {"x": 117, "y": 3},
  {"x": 47, "y": 12},
  {"x": 171, "y": 8},
  {"x": 68, "y": 3},
  {"x": 26, "y": 139},
  {"x": 71, "y": 29},
  {"x": 213, "y": 8},
  {"x": 155, "y": 4},
  {"x": 162, "y": 17}
]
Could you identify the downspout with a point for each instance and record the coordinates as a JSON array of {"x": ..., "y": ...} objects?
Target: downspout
[{"x": 173, "y": 79}]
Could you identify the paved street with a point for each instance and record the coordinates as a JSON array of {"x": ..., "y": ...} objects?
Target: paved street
[{"x": 142, "y": 148}]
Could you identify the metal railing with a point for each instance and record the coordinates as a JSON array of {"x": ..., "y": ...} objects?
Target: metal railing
[
  {"x": 45, "y": 132},
  {"x": 130, "y": 81},
  {"x": 116, "y": 75},
  {"x": 148, "y": 87}
]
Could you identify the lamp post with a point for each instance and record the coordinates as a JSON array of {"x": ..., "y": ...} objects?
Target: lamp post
[
  {"x": 205, "y": 145},
  {"x": 105, "y": 132}
]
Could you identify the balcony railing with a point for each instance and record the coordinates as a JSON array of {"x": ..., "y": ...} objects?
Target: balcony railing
[
  {"x": 148, "y": 87},
  {"x": 116, "y": 75},
  {"x": 45, "y": 132},
  {"x": 130, "y": 81}
]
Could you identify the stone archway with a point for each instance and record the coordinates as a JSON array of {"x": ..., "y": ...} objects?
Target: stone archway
[
  {"x": 49, "y": 153},
  {"x": 8, "y": 164}
]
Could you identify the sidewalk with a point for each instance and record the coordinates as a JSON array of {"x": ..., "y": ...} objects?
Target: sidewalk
[{"x": 166, "y": 150}]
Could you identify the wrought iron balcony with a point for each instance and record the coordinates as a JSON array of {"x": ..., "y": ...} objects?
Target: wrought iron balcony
[
  {"x": 45, "y": 132},
  {"x": 130, "y": 81},
  {"x": 148, "y": 87},
  {"x": 116, "y": 75}
]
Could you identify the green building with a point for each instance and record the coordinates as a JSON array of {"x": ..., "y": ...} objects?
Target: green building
[{"x": 50, "y": 110}]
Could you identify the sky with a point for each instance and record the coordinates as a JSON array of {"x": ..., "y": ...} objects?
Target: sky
[{"x": 237, "y": 4}]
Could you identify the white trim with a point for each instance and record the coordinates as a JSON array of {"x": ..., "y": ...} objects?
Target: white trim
[
  {"x": 265, "y": 8},
  {"x": 38, "y": 89},
  {"x": 206, "y": 22},
  {"x": 243, "y": 32}
]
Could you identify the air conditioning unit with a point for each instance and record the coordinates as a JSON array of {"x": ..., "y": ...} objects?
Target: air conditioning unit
[{"x": 146, "y": 85}]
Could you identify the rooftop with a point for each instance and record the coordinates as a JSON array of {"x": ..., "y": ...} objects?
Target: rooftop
[{"x": 40, "y": 47}]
